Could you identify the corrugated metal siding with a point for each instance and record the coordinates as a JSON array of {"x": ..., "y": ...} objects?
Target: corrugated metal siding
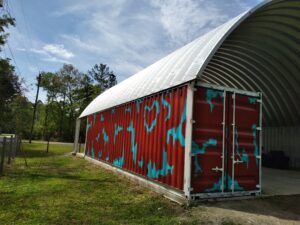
[
  {"x": 285, "y": 139},
  {"x": 145, "y": 137}
]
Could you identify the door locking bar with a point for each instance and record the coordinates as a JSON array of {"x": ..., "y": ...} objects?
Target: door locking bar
[
  {"x": 237, "y": 161},
  {"x": 217, "y": 169}
]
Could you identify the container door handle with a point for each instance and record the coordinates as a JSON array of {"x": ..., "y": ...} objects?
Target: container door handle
[
  {"x": 237, "y": 161},
  {"x": 217, "y": 169}
]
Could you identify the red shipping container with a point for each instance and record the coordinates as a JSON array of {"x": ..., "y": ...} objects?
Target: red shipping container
[{"x": 147, "y": 137}]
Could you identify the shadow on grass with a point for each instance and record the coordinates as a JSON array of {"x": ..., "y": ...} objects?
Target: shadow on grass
[
  {"x": 61, "y": 175},
  {"x": 40, "y": 150}
]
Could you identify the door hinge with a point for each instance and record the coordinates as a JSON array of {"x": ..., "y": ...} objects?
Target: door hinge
[
  {"x": 258, "y": 128},
  {"x": 258, "y": 186}
]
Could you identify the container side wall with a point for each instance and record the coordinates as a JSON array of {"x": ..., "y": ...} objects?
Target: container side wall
[{"x": 145, "y": 137}]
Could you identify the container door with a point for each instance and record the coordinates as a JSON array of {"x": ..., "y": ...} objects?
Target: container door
[
  {"x": 243, "y": 143},
  {"x": 208, "y": 141}
]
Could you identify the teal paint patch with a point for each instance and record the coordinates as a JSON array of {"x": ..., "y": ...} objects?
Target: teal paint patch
[
  {"x": 128, "y": 110},
  {"x": 141, "y": 163},
  {"x": 210, "y": 95},
  {"x": 105, "y": 137},
  {"x": 168, "y": 106},
  {"x": 95, "y": 116},
  {"x": 252, "y": 100},
  {"x": 176, "y": 132},
  {"x": 117, "y": 130},
  {"x": 93, "y": 152},
  {"x": 99, "y": 155},
  {"x": 149, "y": 109},
  {"x": 244, "y": 156},
  {"x": 107, "y": 158},
  {"x": 236, "y": 185},
  {"x": 113, "y": 111},
  {"x": 133, "y": 145},
  {"x": 197, "y": 166},
  {"x": 101, "y": 118},
  {"x": 218, "y": 185},
  {"x": 119, "y": 162},
  {"x": 196, "y": 150},
  {"x": 98, "y": 136},
  {"x": 256, "y": 148},
  {"x": 89, "y": 125},
  {"x": 154, "y": 173},
  {"x": 138, "y": 102}
]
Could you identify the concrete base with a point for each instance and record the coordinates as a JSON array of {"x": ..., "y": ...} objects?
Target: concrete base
[
  {"x": 280, "y": 182},
  {"x": 274, "y": 183}
]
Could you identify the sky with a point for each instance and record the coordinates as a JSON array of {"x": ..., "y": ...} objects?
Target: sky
[{"x": 127, "y": 35}]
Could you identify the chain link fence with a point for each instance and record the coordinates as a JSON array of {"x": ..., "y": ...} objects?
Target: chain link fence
[{"x": 9, "y": 148}]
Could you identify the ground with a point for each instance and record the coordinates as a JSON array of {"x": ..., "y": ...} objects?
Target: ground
[{"x": 57, "y": 188}]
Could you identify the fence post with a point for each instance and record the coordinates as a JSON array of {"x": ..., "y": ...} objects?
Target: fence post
[
  {"x": 2, "y": 156},
  {"x": 19, "y": 144},
  {"x": 15, "y": 147},
  {"x": 10, "y": 149}
]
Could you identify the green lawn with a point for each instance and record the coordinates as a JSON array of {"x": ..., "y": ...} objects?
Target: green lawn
[
  {"x": 57, "y": 188},
  {"x": 60, "y": 189}
]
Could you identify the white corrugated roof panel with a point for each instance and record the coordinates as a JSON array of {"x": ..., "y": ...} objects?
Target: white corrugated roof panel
[{"x": 181, "y": 66}]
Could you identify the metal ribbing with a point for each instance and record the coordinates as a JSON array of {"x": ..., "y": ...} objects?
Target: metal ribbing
[{"x": 263, "y": 54}]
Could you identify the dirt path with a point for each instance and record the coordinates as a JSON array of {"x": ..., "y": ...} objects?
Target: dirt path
[{"x": 282, "y": 210}]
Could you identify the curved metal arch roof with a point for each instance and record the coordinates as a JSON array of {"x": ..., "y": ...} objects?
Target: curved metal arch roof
[
  {"x": 260, "y": 52},
  {"x": 263, "y": 54},
  {"x": 179, "y": 67}
]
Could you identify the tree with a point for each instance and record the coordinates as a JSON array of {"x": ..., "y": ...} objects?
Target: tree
[
  {"x": 21, "y": 111},
  {"x": 103, "y": 76},
  {"x": 70, "y": 77},
  {"x": 10, "y": 85},
  {"x": 86, "y": 92},
  {"x": 53, "y": 85}
]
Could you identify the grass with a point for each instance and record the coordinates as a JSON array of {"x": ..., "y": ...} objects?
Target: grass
[
  {"x": 57, "y": 188},
  {"x": 60, "y": 189}
]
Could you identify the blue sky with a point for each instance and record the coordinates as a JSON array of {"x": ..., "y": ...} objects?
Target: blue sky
[{"x": 128, "y": 35}]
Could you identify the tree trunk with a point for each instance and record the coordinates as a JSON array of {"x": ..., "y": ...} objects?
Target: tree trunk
[{"x": 62, "y": 118}]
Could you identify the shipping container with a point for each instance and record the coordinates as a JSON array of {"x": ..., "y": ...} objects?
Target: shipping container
[
  {"x": 198, "y": 140},
  {"x": 144, "y": 137}
]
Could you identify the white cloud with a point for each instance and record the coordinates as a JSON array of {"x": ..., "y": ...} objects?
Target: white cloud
[
  {"x": 53, "y": 53},
  {"x": 186, "y": 20},
  {"x": 58, "y": 51}
]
